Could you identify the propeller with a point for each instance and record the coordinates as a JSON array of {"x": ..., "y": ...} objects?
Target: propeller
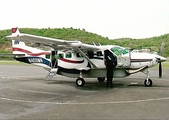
[
  {"x": 159, "y": 60},
  {"x": 160, "y": 69},
  {"x": 162, "y": 48}
]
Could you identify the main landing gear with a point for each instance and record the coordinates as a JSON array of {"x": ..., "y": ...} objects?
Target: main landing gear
[
  {"x": 148, "y": 82},
  {"x": 101, "y": 79},
  {"x": 80, "y": 82}
]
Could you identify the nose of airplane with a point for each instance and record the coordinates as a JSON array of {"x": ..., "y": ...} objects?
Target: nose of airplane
[{"x": 161, "y": 58}]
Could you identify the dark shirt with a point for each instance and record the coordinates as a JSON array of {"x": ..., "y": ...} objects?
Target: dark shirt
[{"x": 110, "y": 58}]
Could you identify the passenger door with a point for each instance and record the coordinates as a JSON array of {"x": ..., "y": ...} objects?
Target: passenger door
[{"x": 124, "y": 60}]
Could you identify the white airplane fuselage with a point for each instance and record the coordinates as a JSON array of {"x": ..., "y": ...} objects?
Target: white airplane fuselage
[{"x": 72, "y": 66}]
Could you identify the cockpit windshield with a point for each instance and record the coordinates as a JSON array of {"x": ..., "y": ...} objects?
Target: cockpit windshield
[{"x": 119, "y": 50}]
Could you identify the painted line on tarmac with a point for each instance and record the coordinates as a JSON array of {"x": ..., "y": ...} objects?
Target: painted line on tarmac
[
  {"x": 84, "y": 103},
  {"x": 49, "y": 93}
]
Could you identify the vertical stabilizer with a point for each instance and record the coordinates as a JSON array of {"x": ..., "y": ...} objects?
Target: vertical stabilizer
[
  {"x": 15, "y": 31},
  {"x": 17, "y": 47}
]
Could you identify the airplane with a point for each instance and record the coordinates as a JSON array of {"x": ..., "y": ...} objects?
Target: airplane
[{"x": 79, "y": 60}]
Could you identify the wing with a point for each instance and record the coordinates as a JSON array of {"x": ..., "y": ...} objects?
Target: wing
[
  {"x": 52, "y": 42},
  {"x": 56, "y": 43},
  {"x": 16, "y": 35}
]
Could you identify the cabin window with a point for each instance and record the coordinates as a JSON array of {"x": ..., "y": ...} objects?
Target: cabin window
[
  {"x": 78, "y": 55},
  {"x": 68, "y": 55},
  {"x": 90, "y": 54},
  {"x": 60, "y": 55},
  {"x": 48, "y": 56},
  {"x": 99, "y": 53}
]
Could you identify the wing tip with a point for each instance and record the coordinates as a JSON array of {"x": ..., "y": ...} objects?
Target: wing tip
[{"x": 15, "y": 31}]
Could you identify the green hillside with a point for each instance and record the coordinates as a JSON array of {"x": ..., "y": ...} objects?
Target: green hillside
[{"x": 153, "y": 43}]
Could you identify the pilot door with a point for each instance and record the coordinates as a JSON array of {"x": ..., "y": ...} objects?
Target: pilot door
[
  {"x": 54, "y": 59},
  {"x": 123, "y": 57}
]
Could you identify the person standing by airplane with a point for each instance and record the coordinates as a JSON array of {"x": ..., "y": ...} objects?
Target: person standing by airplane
[{"x": 110, "y": 62}]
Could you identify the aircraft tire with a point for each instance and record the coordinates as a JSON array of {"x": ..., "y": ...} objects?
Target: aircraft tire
[
  {"x": 148, "y": 83},
  {"x": 80, "y": 82},
  {"x": 101, "y": 79}
]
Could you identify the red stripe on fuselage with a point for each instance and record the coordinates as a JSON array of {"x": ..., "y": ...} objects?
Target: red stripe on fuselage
[
  {"x": 28, "y": 52},
  {"x": 71, "y": 61}
]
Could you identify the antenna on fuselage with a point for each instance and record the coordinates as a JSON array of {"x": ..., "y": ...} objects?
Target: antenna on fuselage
[{"x": 94, "y": 43}]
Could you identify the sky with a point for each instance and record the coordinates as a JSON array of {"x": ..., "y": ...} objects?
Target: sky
[{"x": 108, "y": 18}]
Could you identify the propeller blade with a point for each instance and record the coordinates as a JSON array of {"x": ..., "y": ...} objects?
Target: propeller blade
[
  {"x": 162, "y": 48},
  {"x": 160, "y": 70}
]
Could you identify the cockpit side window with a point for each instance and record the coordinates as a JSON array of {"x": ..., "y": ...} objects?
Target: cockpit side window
[
  {"x": 119, "y": 51},
  {"x": 61, "y": 55},
  {"x": 48, "y": 56},
  {"x": 125, "y": 52}
]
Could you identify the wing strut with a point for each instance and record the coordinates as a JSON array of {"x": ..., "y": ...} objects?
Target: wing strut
[{"x": 94, "y": 66}]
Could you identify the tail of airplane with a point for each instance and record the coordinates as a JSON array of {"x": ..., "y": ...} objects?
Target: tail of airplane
[
  {"x": 35, "y": 56},
  {"x": 31, "y": 55},
  {"x": 17, "y": 47},
  {"x": 38, "y": 57}
]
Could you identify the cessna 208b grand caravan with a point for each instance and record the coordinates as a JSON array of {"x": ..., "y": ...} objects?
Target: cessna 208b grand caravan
[{"x": 78, "y": 60}]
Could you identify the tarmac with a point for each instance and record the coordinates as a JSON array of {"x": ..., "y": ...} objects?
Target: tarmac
[{"x": 25, "y": 95}]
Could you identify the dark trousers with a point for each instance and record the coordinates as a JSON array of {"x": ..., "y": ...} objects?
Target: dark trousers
[{"x": 110, "y": 68}]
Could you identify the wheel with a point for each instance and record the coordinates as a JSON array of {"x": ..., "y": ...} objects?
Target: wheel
[
  {"x": 101, "y": 79},
  {"x": 80, "y": 82},
  {"x": 148, "y": 82}
]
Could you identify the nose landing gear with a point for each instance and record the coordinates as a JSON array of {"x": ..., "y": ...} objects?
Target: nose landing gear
[{"x": 148, "y": 82}]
